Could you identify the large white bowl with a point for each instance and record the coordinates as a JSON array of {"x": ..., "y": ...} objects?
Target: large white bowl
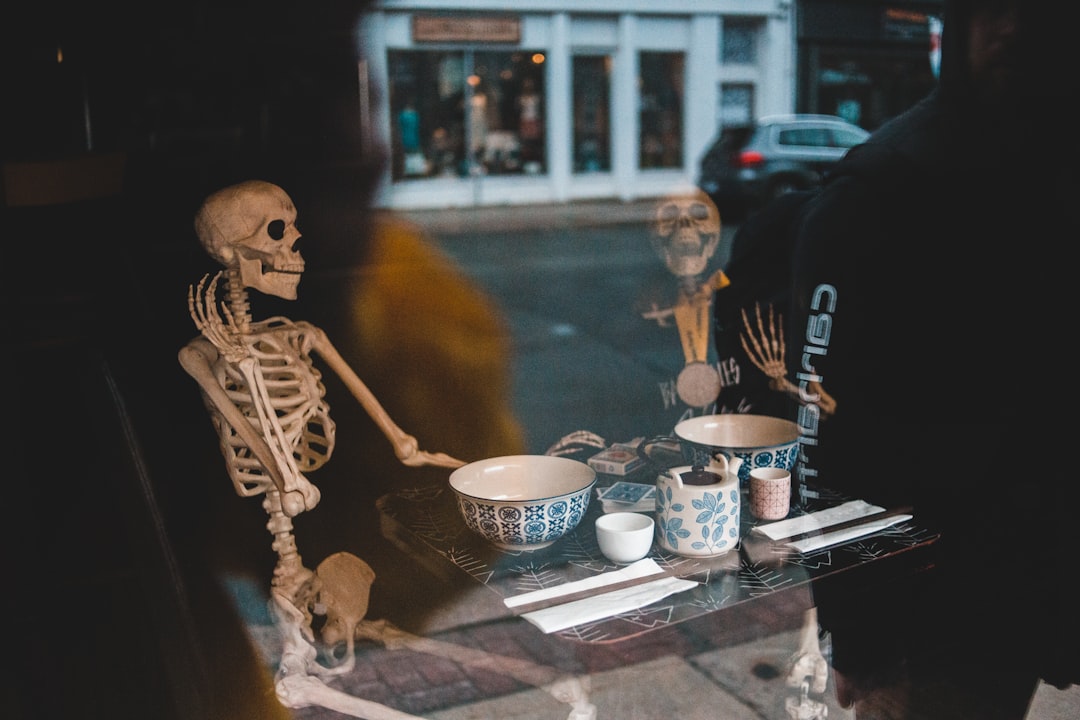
[
  {"x": 523, "y": 502},
  {"x": 760, "y": 440}
]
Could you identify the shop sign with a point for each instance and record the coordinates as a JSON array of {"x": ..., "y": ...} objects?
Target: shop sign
[
  {"x": 462, "y": 28},
  {"x": 904, "y": 24}
]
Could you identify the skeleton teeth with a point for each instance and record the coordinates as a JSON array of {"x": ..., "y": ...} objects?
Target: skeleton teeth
[{"x": 292, "y": 268}]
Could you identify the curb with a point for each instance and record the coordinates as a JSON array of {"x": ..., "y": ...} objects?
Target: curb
[{"x": 553, "y": 216}]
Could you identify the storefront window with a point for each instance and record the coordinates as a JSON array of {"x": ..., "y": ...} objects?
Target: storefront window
[
  {"x": 736, "y": 103},
  {"x": 463, "y": 112},
  {"x": 739, "y": 41},
  {"x": 592, "y": 137},
  {"x": 661, "y": 82}
]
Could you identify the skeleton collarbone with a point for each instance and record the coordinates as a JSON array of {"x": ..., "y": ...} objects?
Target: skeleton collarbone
[{"x": 281, "y": 351}]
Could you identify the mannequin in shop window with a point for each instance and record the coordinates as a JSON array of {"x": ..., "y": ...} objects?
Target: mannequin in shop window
[
  {"x": 409, "y": 129},
  {"x": 530, "y": 126}
]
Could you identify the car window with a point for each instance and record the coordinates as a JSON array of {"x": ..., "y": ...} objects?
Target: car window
[
  {"x": 810, "y": 137},
  {"x": 848, "y": 137}
]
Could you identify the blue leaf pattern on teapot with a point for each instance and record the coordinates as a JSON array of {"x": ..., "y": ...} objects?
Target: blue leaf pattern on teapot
[{"x": 714, "y": 518}]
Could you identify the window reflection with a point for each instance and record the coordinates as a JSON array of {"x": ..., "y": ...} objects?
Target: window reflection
[
  {"x": 592, "y": 92},
  {"x": 457, "y": 113},
  {"x": 661, "y": 121},
  {"x": 736, "y": 103},
  {"x": 739, "y": 40}
]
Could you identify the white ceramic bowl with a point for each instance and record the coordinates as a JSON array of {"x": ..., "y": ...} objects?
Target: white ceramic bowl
[
  {"x": 523, "y": 502},
  {"x": 759, "y": 440}
]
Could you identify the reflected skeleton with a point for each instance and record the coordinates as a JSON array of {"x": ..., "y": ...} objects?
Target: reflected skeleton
[
  {"x": 686, "y": 234},
  {"x": 267, "y": 402}
]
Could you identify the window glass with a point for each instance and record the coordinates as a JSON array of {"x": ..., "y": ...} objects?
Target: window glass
[
  {"x": 811, "y": 137},
  {"x": 738, "y": 42},
  {"x": 845, "y": 138},
  {"x": 736, "y": 103},
  {"x": 592, "y": 137},
  {"x": 457, "y": 113},
  {"x": 661, "y": 119}
]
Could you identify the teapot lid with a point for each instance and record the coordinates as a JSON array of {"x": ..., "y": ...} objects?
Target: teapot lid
[{"x": 698, "y": 475}]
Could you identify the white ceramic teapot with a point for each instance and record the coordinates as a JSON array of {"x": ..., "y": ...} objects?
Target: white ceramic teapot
[{"x": 697, "y": 508}]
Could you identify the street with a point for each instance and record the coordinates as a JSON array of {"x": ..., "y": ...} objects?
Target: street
[{"x": 585, "y": 358}]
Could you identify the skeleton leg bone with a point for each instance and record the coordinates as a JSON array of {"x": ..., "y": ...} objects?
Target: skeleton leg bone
[
  {"x": 299, "y": 679},
  {"x": 297, "y": 688},
  {"x": 809, "y": 671}
]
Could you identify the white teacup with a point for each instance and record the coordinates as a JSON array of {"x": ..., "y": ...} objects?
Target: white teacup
[{"x": 624, "y": 537}]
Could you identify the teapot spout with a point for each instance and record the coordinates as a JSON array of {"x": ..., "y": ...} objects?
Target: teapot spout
[{"x": 734, "y": 464}]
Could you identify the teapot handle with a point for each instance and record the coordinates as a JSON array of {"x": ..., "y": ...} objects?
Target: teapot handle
[
  {"x": 716, "y": 460},
  {"x": 668, "y": 443}
]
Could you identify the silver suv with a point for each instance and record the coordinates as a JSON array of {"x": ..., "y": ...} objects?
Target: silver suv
[{"x": 749, "y": 164}]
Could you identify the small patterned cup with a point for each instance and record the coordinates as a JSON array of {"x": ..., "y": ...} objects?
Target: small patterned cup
[{"x": 770, "y": 493}]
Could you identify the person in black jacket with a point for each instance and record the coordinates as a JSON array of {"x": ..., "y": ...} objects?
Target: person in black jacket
[{"x": 930, "y": 294}]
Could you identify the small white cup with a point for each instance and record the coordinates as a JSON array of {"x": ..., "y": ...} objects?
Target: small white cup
[
  {"x": 624, "y": 537},
  {"x": 770, "y": 493}
]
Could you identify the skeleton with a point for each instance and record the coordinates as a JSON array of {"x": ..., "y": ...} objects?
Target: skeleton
[
  {"x": 266, "y": 400},
  {"x": 686, "y": 233}
]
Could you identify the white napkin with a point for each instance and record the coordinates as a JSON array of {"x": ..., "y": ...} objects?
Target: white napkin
[
  {"x": 815, "y": 520},
  {"x": 597, "y": 607},
  {"x": 819, "y": 542}
]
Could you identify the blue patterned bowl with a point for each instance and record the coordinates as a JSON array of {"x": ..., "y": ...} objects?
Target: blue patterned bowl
[{"x": 523, "y": 502}]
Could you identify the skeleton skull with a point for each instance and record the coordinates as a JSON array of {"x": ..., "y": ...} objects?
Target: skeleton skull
[
  {"x": 251, "y": 227},
  {"x": 686, "y": 232}
]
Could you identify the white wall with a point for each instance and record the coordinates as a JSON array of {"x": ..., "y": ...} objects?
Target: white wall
[{"x": 621, "y": 28}]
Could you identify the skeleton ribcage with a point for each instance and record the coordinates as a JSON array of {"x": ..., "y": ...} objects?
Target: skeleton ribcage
[{"x": 294, "y": 386}]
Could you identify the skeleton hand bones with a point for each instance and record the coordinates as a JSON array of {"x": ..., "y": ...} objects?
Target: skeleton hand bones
[{"x": 768, "y": 357}]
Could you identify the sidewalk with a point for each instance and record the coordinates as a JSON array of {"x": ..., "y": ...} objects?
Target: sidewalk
[{"x": 503, "y": 218}]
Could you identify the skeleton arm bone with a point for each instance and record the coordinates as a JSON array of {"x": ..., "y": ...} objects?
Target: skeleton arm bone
[
  {"x": 198, "y": 358},
  {"x": 406, "y": 446},
  {"x": 661, "y": 316},
  {"x": 301, "y": 495}
]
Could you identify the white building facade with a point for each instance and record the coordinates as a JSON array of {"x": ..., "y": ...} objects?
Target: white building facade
[{"x": 492, "y": 103}]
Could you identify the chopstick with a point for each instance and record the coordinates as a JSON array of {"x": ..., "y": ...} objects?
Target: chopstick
[
  {"x": 854, "y": 522},
  {"x": 587, "y": 593}
]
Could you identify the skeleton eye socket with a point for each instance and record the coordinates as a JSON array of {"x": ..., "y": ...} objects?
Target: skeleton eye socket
[
  {"x": 276, "y": 229},
  {"x": 699, "y": 212},
  {"x": 668, "y": 212}
]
